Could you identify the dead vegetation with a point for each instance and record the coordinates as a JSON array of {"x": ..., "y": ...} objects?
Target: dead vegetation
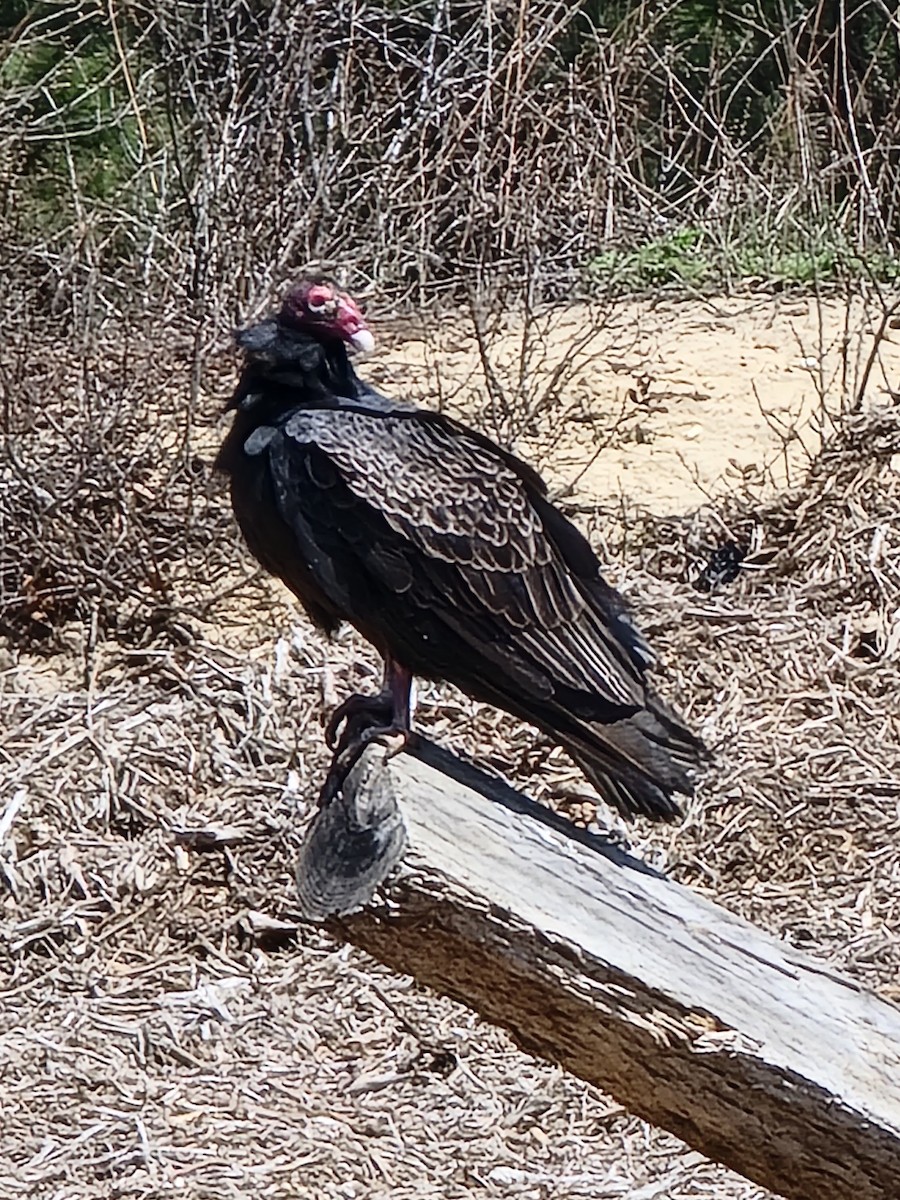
[
  {"x": 798, "y": 663},
  {"x": 108, "y": 511},
  {"x": 159, "y": 1033},
  {"x": 188, "y": 156}
]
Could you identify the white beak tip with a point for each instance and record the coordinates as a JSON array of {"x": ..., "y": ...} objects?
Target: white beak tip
[{"x": 362, "y": 341}]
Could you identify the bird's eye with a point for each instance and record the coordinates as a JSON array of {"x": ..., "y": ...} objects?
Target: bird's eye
[
  {"x": 327, "y": 308},
  {"x": 321, "y": 301}
]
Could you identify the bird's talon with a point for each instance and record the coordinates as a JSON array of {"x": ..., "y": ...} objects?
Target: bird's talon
[
  {"x": 377, "y": 706},
  {"x": 347, "y": 755},
  {"x": 394, "y": 741}
]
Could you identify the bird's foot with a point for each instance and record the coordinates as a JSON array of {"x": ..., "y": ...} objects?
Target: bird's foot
[
  {"x": 354, "y": 741},
  {"x": 378, "y": 707}
]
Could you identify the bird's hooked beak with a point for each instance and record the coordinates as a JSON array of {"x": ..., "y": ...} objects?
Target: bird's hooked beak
[
  {"x": 351, "y": 324},
  {"x": 362, "y": 341}
]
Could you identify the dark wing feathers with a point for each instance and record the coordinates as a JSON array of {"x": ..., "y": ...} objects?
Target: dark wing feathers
[
  {"x": 315, "y": 556},
  {"x": 461, "y": 507},
  {"x": 576, "y": 553},
  {"x": 447, "y": 496}
]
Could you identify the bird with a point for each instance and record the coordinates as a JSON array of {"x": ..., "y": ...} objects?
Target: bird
[{"x": 444, "y": 551}]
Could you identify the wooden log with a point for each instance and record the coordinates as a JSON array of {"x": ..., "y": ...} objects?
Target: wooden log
[{"x": 747, "y": 1049}]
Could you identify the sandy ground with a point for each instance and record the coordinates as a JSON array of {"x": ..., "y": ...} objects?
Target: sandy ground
[
  {"x": 664, "y": 403},
  {"x": 150, "y": 1048}
]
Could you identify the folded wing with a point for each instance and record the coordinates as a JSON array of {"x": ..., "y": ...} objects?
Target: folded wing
[{"x": 454, "y": 533}]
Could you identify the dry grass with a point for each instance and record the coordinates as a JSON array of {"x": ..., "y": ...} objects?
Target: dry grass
[
  {"x": 111, "y": 523},
  {"x": 151, "y": 1042}
]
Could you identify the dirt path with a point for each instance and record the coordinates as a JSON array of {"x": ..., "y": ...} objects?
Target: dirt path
[{"x": 667, "y": 403}]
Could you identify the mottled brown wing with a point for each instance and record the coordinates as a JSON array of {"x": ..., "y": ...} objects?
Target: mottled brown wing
[{"x": 457, "y": 501}]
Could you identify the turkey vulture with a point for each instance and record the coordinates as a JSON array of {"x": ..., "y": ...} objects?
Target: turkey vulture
[{"x": 444, "y": 551}]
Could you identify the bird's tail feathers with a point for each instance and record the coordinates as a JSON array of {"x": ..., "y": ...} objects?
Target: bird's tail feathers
[{"x": 638, "y": 763}]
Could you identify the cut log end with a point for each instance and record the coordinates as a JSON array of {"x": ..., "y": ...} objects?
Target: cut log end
[{"x": 352, "y": 843}]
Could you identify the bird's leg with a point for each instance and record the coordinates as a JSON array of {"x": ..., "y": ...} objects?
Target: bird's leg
[
  {"x": 399, "y": 681},
  {"x": 393, "y": 702}
]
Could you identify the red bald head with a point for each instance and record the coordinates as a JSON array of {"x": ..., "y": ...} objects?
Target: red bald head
[{"x": 322, "y": 309}]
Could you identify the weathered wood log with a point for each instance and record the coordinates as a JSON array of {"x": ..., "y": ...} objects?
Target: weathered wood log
[{"x": 704, "y": 1025}]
